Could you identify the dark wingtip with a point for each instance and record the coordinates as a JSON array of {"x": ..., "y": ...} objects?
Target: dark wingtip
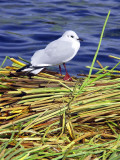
[{"x": 19, "y": 70}]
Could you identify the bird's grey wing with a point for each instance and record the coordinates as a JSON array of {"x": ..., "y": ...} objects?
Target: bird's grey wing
[
  {"x": 39, "y": 58},
  {"x": 58, "y": 52}
]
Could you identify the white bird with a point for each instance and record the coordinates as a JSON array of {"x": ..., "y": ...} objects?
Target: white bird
[{"x": 57, "y": 52}]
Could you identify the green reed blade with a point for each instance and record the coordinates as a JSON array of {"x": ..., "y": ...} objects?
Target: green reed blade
[{"x": 95, "y": 56}]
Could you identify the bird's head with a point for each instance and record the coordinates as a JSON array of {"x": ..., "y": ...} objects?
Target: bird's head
[{"x": 71, "y": 35}]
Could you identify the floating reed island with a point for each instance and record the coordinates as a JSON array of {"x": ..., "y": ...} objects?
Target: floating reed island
[{"x": 48, "y": 118}]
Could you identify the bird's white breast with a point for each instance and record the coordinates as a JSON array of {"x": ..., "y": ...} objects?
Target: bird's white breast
[{"x": 76, "y": 46}]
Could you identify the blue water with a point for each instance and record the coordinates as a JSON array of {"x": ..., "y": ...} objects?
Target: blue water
[{"x": 29, "y": 25}]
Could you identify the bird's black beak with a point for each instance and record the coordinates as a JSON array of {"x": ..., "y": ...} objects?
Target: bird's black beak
[{"x": 79, "y": 39}]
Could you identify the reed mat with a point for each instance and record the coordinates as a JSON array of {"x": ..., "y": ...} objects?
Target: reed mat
[{"x": 47, "y": 118}]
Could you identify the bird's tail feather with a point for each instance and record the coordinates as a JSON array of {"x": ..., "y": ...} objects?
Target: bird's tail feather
[
  {"x": 22, "y": 69},
  {"x": 30, "y": 69}
]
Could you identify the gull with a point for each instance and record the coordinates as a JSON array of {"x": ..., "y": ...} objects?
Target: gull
[{"x": 57, "y": 52}]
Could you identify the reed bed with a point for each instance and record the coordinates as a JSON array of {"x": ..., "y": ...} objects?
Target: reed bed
[{"x": 47, "y": 118}]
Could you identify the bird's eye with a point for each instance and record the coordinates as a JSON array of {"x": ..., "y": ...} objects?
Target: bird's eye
[{"x": 72, "y": 36}]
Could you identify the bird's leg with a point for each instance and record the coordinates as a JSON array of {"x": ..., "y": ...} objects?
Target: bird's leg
[
  {"x": 60, "y": 69},
  {"x": 67, "y": 76}
]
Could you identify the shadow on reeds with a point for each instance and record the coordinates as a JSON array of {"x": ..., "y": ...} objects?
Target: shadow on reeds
[{"x": 48, "y": 118}]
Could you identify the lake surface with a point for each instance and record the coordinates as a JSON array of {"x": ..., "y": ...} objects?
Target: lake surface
[{"x": 29, "y": 25}]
